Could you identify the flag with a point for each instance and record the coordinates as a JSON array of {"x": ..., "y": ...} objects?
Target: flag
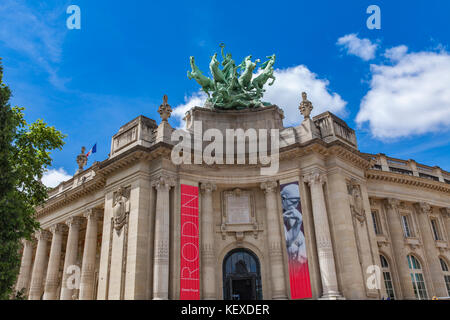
[{"x": 93, "y": 150}]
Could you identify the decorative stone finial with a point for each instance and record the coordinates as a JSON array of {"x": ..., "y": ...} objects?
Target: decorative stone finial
[
  {"x": 81, "y": 160},
  {"x": 165, "y": 110},
  {"x": 306, "y": 106}
]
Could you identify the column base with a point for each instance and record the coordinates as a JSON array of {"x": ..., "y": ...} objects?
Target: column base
[{"x": 332, "y": 296}]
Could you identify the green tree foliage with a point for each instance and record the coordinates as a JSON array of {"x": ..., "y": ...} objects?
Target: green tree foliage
[{"x": 24, "y": 157}]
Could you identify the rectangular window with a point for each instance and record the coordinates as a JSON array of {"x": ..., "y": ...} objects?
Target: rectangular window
[
  {"x": 406, "y": 227},
  {"x": 447, "y": 283},
  {"x": 376, "y": 222},
  {"x": 436, "y": 231}
]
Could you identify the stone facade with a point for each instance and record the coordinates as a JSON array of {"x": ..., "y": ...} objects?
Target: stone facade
[{"x": 112, "y": 231}]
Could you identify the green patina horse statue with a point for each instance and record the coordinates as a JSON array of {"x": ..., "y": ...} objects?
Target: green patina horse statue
[{"x": 206, "y": 83}]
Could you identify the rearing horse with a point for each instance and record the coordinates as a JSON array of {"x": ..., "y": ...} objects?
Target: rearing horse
[
  {"x": 206, "y": 83},
  {"x": 246, "y": 77},
  {"x": 259, "y": 82}
]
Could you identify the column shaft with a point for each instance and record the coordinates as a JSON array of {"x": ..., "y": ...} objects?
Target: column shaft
[
  {"x": 51, "y": 283},
  {"x": 89, "y": 255},
  {"x": 71, "y": 257},
  {"x": 208, "y": 266},
  {"x": 23, "y": 281},
  {"x": 275, "y": 241},
  {"x": 431, "y": 252},
  {"x": 40, "y": 262},
  {"x": 323, "y": 236},
  {"x": 398, "y": 247},
  {"x": 161, "y": 244}
]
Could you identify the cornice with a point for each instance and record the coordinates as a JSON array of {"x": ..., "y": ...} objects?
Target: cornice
[
  {"x": 414, "y": 181},
  {"x": 101, "y": 170},
  {"x": 334, "y": 148}
]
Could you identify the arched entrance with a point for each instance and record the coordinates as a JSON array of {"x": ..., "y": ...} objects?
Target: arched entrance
[{"x": 241, "y": 276}]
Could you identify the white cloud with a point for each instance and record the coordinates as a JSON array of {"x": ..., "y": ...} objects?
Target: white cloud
[
  {"x": 52, "y": 178},
  {"x": 396, "y": 53},
  {"x": 285, "y": 93},
  {"x": 288, "y": 87},
  {"x": 363, "y": 48},
  {"x": 408, "y": 96},
  {"x": 195, "y": 100}
]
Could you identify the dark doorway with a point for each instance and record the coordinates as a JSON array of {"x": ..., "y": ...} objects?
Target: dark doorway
[{"x": 241, "y": 276}]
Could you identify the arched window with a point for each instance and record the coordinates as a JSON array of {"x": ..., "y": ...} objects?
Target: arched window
[
  {"x": 387, "y": 277},
  {"x": 446, "y": 272},
  {"x": 418, "y": 281}
]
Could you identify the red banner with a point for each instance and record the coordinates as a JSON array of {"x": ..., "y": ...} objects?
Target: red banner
[
  {"x": 295, "y": 241},
  {"x": 189, "y": 244}
]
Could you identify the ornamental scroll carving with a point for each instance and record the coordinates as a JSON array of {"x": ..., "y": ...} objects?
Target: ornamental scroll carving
[{"x": 121, "y": 208}]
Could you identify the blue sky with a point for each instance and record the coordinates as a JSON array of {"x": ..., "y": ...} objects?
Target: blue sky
[{"x": 391, "y": 85}]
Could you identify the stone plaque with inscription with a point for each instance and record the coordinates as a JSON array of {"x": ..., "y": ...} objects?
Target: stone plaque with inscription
[{"x": 238, "y": 208}]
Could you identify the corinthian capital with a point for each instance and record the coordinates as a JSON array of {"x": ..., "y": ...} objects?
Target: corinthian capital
[
  {"x": 43, "y": 235},
  {"x": 314, "y": 177},
  {"x": 93, "y": 213},
  {"x": 58, "y": 228},
  {"x": 445, "y": 212},
  {"x": 391, "y": 203},
  {"x": 74, "y": 221},
  {"x": 423, "y": 207},
  {"x": 163, "y": 182},
  {"x": 207, "y": 187},
  {"x": 269, "y": 186}
]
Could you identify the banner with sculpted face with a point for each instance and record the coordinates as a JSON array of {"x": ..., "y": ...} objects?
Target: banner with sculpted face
[
  {"x": 295, "y": 241},
  {"x": 189, "y": 244}
]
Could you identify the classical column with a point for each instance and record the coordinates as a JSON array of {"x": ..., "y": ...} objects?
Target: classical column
[
  {"x": 23, "y": 281},
  {"x": 40, "y": 262},
  {"x": 315, "y": 180},
  {"x": 51, "y": 283},
  {"x": 89, "y": 255},
  {"x": 208, "y": 267},
  {"x": 74, "y": 224},
  {"x": 161, "y": 244},
  {"x": 446, "y": 217},
  {"x": 431, "y": 252},
  {"x": 398, "y": 246},
  {"x": 275, "y": 241}
]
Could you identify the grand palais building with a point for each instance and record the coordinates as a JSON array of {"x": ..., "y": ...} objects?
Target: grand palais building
[{"x": 330, "y": 223}]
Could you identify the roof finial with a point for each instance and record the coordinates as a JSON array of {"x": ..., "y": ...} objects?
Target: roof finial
[
  {"x": 306, "y": 106},
  {"x": 165, "y": 110}
]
